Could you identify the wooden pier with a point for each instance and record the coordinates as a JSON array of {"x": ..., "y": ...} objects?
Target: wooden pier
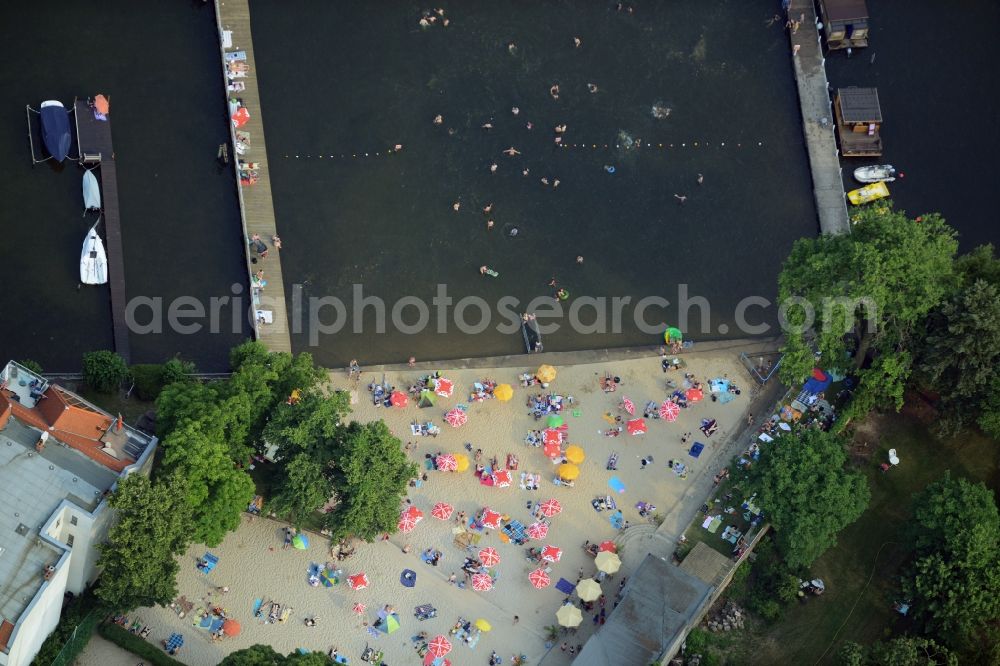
[
  {"x": 256, "y": 204},
  {"x": 95, "y": 149},
  {"x": 818, "y": 120}
]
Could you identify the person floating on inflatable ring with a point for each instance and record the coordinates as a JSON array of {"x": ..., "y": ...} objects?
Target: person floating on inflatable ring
[{"x": 562, "y": 294}]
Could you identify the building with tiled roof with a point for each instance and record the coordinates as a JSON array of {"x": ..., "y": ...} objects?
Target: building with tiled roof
[{"x": 60, "y": 456}]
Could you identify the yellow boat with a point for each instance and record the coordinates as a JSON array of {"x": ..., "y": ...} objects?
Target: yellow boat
[{"x": 868, "y": 193}]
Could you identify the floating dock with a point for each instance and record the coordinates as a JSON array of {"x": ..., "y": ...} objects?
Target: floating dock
[
  {"x": 818, "y": 120},
  {"x": 95, "y": 149},
  {"x": 256, "y": 204}
]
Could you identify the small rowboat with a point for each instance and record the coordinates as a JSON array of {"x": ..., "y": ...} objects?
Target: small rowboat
[
  {"x": 868, "y": 193},
  {"x": 875, "y": 173}
]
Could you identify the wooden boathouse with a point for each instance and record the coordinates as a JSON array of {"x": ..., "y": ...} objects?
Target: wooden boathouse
[
  {"x": 845, "y": 23},
  {"x": 859, "y": 120}
]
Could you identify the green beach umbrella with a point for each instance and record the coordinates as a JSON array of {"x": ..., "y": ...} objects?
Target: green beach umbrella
[
  {"x": 300, "y": 541},
  {"x": 427, "y": 398},
  {"x": 555, "y": 420},
  {"x": 673, "y": 335}
]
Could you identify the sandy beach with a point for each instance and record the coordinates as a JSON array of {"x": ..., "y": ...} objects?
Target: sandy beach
[{"x": 253, "y": 564}]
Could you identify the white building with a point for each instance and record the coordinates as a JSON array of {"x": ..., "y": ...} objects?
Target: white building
[{"x": 60, "y": 456}]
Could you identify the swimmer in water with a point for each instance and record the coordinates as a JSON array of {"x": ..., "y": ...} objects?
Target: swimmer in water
[
  {"x": 515, "y": 110},
  {"x": 558, "y": 139},
  {"x": 530, "y": 125},
  {"x": 560, "y": 129},
  {"x": 701, "y": 179},
  {"x": 592, "y": 88},
  {"x": 554, "y": 91},
  {"x": 455, "y": 206},
  {"x": 438, "y": 119},
  {"x": 487, "y": 208},
  {"x": 512, "y": 48},
  {"x": 545, "y": 181},
  {"x": 525, "y": 172},
  {"x": 680, "y": 198},
  {"x": 483, "y": 269},
  {"x": 579, "y": 259},
  {"x": 424, "y": 23},
  {"x": 487, "y": 126},
  {"x": 513, "y": 232},
  {"x": 510, "y": 152},
  {"x": 555, "y": 183},
  {"x": 577, "y": 41},
  {"x": 489, "y": 224},
  {"x": 494, "y": 167}
]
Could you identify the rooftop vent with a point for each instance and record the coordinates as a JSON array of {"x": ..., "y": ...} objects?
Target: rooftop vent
[{"x": 22, "y": 529}]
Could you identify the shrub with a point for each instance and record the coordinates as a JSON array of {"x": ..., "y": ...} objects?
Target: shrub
[
  {"x": 104, "y": 371},
  {"x": 148, "y": 378},
  {"x": 137, "y": 646},
  {"x": 176, "y": 370},
  {"x": 34, "y": 366}
]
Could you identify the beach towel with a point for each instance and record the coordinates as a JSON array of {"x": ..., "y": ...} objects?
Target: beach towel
[
  {"x": 714, "y": 525},
  {"x": 257, "y": 603},
  {"x": 617, "y": 520},
  {"x": 726, "y": 397},
  {"x": 708, "y": 521},
  {"x": 616, "y": 484},
  {"x": 210, "y": 562},
  {"x": 205, "y": 622},
  {"x": 408, "y": 578},
  {"x": 565, "y": 586},
  {"x": 216, "y": 625},
  {"x": 696, "y": 449}
]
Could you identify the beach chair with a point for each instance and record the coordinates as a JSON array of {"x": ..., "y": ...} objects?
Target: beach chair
[{"x": 612, "y": 462}]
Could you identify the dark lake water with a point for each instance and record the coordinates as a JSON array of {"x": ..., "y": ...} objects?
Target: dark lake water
[
  {"x": 359, "y": 77},
  {"x": 346, "y": 78},
  {"x": 938, "y": 87},
  {"x": 180, "y": 219}
]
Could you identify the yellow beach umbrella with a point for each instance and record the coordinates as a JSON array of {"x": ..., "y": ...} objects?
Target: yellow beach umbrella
[
  {"x": 483, "y": 625},
  {"x": 569, "y": 616},
  {"x": 588, "y": 589},
  {"x": 461, "y": 461},
  {"x": 568, "y": 471},
  {"x": 607, "y": 562},
  {"x": 503, "y": 392},
  {"x": 574, "y": 454},
  {"x": 546, "y": 373}
]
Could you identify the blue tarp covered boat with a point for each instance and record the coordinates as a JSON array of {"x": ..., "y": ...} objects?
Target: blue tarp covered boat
[{"x": 55, "y": 129}]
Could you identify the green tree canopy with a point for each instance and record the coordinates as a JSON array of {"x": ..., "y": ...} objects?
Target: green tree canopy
[
  {"x": 370, "y": 476},
  {"x": 309, "y": 426},
  {"x": 264, "y": 655},
  {"x": 152, "y": 526},
  {"x": 902, "y": 651},
  {"x": 807, "y": 493},
  {"x": 303, "y": 490},
  {"x": 104, "y": 371},
  {"x": 956, "y": 573},
  {"x": 961, "y": 351},
  {"x": 881, "y": 281}
]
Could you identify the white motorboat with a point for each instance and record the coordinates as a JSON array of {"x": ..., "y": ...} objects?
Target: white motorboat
[
  {"x": 875, "y": 173},
  {"x": 91, "y": 192},
  {"x": 93, "y": 259}
]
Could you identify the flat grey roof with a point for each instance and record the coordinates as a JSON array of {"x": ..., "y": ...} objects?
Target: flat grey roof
[{"x": 32, "y": 486}]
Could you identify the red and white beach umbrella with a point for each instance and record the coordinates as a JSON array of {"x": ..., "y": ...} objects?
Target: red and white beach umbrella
[
  {"x": 409, "y": 518},
  {"x": 609, "y": 546},
  {"x": 552, "y": 450},
  {"x": 551, "y": 436},
  {"x": 442, "y": 510},
  {"x": 537, "y": 530},
  {"x": 359, "y": 609},
  {"x": 550, "y": 507},
  {"x": 446, "y": 463},
  {"x": 669, "y": 410},
  {"x": 489, "y": 556},
  {"x": 491, "y": 518},
  {"x": 636, "y": 427},
  {"x": 482, "y": 582},
  {"x": 539, "y": 578},
  {"x": 551, "y": 554},
  {"x": 358, "y": 581},
  {"x": 399, "y": 399},
  {"x": 456, "y": 418},
  {"x": 628, "y": 405},
  {"x": 439, "y": 646},
  {"x": 444, "y": 387}
]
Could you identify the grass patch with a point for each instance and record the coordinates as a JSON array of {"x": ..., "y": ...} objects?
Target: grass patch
[
  {"x": 852, "y": 607},
  {"x": 137, "y": 646}
]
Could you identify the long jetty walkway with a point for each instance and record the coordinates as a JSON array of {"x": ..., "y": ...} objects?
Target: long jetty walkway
[
  {"x": 817, "y": 120},
  {"x": 256, "y": 204},
  {"x": 95, "y": 146}
]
